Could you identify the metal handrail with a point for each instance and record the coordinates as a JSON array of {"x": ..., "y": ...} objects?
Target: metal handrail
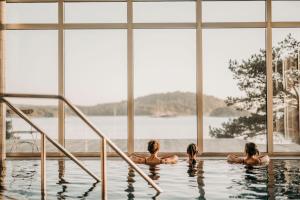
[
  {"x": 43, "y": 147},
  {"x": 97, "y": 131}
]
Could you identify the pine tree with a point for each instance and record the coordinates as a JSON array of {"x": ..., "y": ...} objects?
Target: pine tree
[{"x": 250, "y": 75}]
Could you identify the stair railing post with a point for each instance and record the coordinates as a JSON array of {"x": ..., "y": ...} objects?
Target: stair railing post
[
  {"x": 43, "y": 165},
  {"x": 103, "y": 169}
]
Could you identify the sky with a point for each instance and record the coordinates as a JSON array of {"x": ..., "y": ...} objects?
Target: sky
[{"x": 164, "y": 60}]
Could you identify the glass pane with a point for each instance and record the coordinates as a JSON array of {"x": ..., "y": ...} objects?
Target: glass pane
[
  {"x": 286, "y": 76},
  {"x": 96, "y": 72},
  {"x": 233, "y": 11},
  {"x": 31, "y": 13},
  {"x": 22, "y": 137},
  {"x": 31, "y": 61},
  {"x": 165, "y": 80},
  {"x": 164, "y": 12},
  {"x": 285, "y": 10},
  {"x": 234, "y": 85},
  {"x": 95, "y": 12}
]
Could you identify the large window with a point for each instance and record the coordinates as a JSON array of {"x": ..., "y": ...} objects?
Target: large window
[
  {"x": 233, "y": 11},
  {"x": 234, "y": 81},
  {"x": 31, "y": 67},
  {"x": 164, "y": 12},
  {"x": 165, "y": 101},
  {"x": 96, "y": 81},
  {"x": 93, "y": 12},
  {"x": 285, "y": 11},
  {"x": 286, "y": 72},
  {"x": 31, "y": 13},
  {"x": 94, "y": 56},
  {"x": 31, "y": 60}
]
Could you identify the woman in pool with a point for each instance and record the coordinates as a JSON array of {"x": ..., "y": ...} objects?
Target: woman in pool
[
  {"x": 252, "y": 156},
  {"x": 153, "y": 159},
  {"x": 192, "y": 151}
]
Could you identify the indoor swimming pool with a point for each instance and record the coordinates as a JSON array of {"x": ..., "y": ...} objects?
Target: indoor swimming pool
[{"x": 211, "y": 179}]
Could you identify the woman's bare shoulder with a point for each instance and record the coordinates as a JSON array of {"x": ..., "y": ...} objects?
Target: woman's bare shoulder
[
  {"x": 232, "y": 158},
  {"x": 138, "y": 159},
  {"x": 264, "y": 159},
  {"x": 172, "y": 159}
]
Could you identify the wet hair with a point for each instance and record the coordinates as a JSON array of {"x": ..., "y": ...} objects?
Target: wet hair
[
  {"x": 153, "y": 146},
  {"x": 192, "y": 150},
  {"x": 251, "y": 149}
]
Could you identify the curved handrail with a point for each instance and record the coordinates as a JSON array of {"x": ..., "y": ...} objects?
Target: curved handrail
[{"x": 93, "y": 127}]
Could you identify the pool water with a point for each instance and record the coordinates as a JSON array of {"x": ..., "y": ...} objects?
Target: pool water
[{"x": 211, "y": 179}]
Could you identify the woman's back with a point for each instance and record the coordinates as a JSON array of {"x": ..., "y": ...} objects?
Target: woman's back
[
  {"x": 251, "y": 161},
  {"x": 252, "y": 156},
  {"x": 153, "y": 159}
]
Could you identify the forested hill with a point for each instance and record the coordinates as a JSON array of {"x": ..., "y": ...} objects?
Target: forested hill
[{"x": 161, "y": 104}]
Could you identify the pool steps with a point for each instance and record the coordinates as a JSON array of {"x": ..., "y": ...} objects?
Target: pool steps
[{"x": 44, "y": 137}]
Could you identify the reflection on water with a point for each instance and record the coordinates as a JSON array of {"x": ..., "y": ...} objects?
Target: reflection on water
[
  {"x": 86, "y": 194},
  {"x": 192, "y": 169},
  {"x": 196, "y": 170},
  {"x": 2, "y": 178},
  {"x": 130, "y": 180},
  {"x": 153, "y": 174},
  {"x": 208, "y": 179},
  {"x": 200, "y": 180},
  {"x": 271, "y": 181},
  {"x": 287, "y": 179},
  {"x": 64, "y": 184},
  {"x": 61, "y": 180},
  {"x": 255, "y": 183}
]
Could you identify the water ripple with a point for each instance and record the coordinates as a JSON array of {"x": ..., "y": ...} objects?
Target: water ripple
[{"x": 209, "y": 179}]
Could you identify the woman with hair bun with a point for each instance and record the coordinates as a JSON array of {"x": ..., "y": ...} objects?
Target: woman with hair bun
[
  {"x": 192, "y": 151},
  {"x": 252, "y": 156}
]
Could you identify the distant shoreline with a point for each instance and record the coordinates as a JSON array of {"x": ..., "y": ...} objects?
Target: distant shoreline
[{"x": 170, "y": 104}]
